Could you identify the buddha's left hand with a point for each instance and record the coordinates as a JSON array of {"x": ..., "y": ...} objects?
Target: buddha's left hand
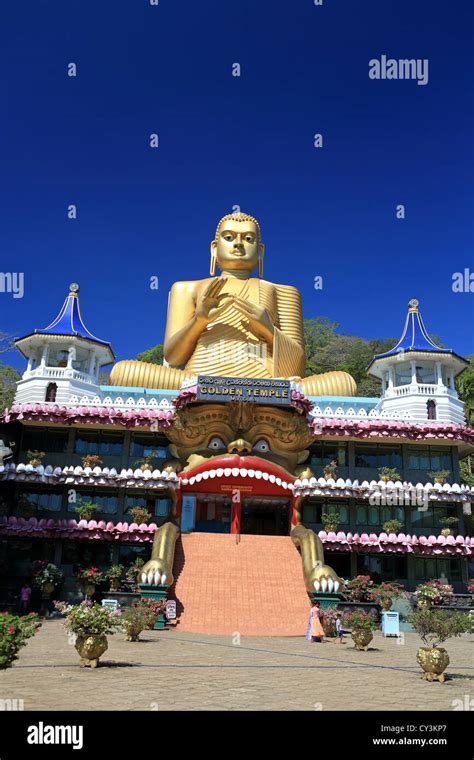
[{"x": 260, "y": 321}]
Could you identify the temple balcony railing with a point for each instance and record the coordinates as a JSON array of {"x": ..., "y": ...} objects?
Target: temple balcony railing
[
  {"x": 59, "y": 373},
  {"x": 424, "y": 389}
]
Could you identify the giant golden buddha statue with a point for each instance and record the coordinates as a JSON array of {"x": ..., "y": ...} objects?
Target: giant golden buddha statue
[{"x": 233, "y": 324}]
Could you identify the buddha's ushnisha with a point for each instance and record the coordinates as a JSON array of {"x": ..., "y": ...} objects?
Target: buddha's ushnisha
[{"x": 233, "y": 324}]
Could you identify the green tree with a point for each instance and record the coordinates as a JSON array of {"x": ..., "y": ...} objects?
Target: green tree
[
  {"x": 465, "y": 389},
  {"x": 8, "y": 380},
  {"x": 153, "y": 355}
]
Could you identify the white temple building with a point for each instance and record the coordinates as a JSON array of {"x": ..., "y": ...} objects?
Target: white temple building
[
  {"x": 64, "y": 358},
  {"x": 418, "y": 376}
]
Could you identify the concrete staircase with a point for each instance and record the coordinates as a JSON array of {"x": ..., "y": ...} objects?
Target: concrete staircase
[{"x": 254, "y": 588}]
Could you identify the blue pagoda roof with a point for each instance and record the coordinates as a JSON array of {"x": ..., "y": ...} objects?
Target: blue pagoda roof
[
  {"x": 415, "y": 338},
  {"x": 69, "y": 322}
]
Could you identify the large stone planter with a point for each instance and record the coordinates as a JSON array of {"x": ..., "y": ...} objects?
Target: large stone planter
[
  {"x": 132, "y": 632},
  {"x": 90, "y": 648},
  {"x": 362, "y": 639},
  {"x": 88, "y": 589},
  {"x": 434, "y": 661}
]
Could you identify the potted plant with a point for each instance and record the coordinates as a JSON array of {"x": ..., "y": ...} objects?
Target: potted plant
[
  {"x": 140, "y": 515},
  {"x": 440, "y": 476},
  {"x": 470, "y": 587},
  {"x": 432, "y": 592},
  {"x": 385, "y": 594},
  {"x": 330, "y": 470},
  {"x": 362, "y": 624},
  {"x": 136, "y": 619},
  {"x": 14, "y": 633},
  {"x": 86, "y": 509},
  {"x": 35, "y": 458},
  {"x": 46, "y": 576},
  {"x": 133, "y": 574},
  {"x": 360, "y": 588},
  {"x": 157, "y": 607},
  {"x": 88, "y": 578},
  {"x": 388, "y": 473},
  {"x": 392, "y": 526},
  {"x": 330, "y": 521},
  {"x": 91, "y": 460},
  {"x": 147, "y": 462},
  {"x": 434, "y": 628},
  {"x": 328, "y": 620},
  {"x": 449, "y": 523},
  {"x": 91, "y": 623},
  {"x": 113, "y": 575}
]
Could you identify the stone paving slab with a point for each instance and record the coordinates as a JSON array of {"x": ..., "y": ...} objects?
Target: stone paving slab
[{"x": 173, "y": 670}]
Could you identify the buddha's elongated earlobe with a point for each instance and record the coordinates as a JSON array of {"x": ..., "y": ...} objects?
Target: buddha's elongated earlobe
[
  {"x": 212, "y": 268},
  {"x": 260, "y": 261}
]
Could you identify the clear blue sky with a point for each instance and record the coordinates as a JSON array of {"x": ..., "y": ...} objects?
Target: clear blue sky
[{"x": 226, "y": 140}]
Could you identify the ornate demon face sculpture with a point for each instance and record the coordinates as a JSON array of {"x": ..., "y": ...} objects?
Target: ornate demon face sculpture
[{"x": 217, "y": 431}]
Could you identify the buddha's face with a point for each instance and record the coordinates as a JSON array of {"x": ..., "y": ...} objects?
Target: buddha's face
[{"x": 237, "y": 246}]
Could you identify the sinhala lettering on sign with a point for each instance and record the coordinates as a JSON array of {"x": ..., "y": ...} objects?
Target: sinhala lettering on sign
[{"x": 257, "y": 390}]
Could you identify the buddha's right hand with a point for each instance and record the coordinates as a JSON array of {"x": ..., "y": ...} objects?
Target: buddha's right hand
[{"x": 210, "y": 302}]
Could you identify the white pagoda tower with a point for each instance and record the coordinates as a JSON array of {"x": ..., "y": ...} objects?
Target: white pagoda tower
[
  {"x": 418, "y": 376},
  {"x": 64, "y": 358}
]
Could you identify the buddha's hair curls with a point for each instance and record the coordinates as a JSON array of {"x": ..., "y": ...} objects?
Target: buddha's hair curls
[{"x": 239, "y": 216}]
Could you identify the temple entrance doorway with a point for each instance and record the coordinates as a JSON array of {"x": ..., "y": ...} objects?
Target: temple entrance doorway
[{"x": 265, "y": 516}]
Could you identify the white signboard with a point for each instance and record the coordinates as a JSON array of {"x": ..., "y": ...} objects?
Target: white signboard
[
  {"x": 171, "y": 609},
  {"x": 188, "y": 513},
  {"x": 112, "y": 603}
]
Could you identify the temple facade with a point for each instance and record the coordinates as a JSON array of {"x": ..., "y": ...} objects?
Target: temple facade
[{"x": 228, "y": 465}]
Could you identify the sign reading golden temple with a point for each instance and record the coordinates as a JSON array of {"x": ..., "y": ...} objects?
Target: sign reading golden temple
[{"x": 259, "y": 390}]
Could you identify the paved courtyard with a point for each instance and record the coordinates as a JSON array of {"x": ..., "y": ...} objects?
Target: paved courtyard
[{"x": 169, "y": 670}]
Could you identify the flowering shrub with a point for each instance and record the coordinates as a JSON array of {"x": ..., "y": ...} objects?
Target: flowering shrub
[
  {"x": 328, "y": 620},
  {"x": 45, "y": 573},
  {"x": 14, "y": 632},
  {"x": 136, "y": 618},
  {"x": 90, "y": 575},
  {"x": 470, "y": 586},
  {"x": 384, "y": 593},
  {"x": 157, "y": 607},
  {"x": 433, "y": 592},
  {"x": 91, "y": 460},
  {"x": 359, "y": 620},
  {"x": 89, "y": 618},
  {"x": 361, "y": 588},
  {"x": 140, "y": 515}
]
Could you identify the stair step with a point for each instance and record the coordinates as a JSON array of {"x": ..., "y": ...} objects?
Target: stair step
[{"x": 254, "y": 588}]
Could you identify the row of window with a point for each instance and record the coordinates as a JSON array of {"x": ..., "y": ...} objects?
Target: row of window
[
  {"x": 374, "y": 515},
  {"x": 106, "y": 444},
  {"x": 378, "y": 455},
  {"x": 51, "y": 501},
  {"x": 102, "y": 443}
]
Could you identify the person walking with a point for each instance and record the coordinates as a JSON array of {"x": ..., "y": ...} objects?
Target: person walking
[
  {"x": 339, "y": 629},
  {"x": 314, "y": 631},
  {"x": 25, "y": 593}
]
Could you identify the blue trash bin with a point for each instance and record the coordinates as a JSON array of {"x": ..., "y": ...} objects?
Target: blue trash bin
[{"x": 390, "y": 624}]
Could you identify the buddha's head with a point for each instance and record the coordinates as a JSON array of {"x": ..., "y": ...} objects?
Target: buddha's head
[{"x": 237, "y": 246}]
